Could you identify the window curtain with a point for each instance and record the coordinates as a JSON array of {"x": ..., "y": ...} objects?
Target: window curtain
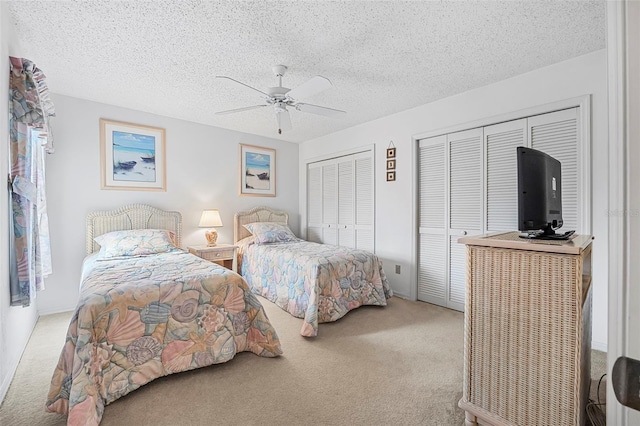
[{"x": 30, "y": 139}]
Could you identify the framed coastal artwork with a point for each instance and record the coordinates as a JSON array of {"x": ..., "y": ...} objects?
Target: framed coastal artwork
[
  {"x": 132, "y": 156},
  {"x": 257, "y": 171}
]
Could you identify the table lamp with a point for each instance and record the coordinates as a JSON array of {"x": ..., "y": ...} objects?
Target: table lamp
[{"x": 209, "y": 219}]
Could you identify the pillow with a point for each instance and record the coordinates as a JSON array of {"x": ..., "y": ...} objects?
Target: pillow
[
  {"x": 270, "y": 232},
  {"x": 135, "y": 242}
]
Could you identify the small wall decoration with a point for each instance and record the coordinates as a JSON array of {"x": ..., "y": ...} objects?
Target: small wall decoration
[
  {"x": 257, "y": 171},
  {"x": 391, "y": 152},
  {"x": 391, "y": 162},
  {"x": 132, "y": 156}
]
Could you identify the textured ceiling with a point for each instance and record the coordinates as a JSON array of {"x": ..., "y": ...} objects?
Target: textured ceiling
[{"x": 382, "y": 57}]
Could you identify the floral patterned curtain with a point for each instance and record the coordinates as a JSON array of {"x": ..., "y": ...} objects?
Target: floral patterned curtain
[{"x": 30, "y": 138}]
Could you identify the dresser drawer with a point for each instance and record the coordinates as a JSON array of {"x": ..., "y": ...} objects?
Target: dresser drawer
[{"x": 217, "y": 255}]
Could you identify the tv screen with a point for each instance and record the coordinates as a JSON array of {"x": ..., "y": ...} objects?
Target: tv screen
[{"x": 539, "y": 195}]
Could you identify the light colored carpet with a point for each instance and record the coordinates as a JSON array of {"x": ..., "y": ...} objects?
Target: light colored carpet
[{"x": 401, "y": 364}]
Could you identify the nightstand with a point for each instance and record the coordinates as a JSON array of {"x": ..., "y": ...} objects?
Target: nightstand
[{"x": 222, "y": 254}]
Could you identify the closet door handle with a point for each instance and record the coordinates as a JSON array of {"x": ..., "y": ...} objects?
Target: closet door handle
[{"x": 464, "y": 232}]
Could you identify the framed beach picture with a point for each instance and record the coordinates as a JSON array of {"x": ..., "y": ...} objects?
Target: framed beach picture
[
  {"x": 257, "y": 171},
  {"x": 132, "y": 156}
]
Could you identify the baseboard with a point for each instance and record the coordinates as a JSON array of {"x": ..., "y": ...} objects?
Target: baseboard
[
  {"x": 13, "y": 366},
  {"x": 55, "y": 311},
  {"x": 400, "y": 295},
  {"x": 599, "y": 346},
  {"x": 4, "y": 387}
]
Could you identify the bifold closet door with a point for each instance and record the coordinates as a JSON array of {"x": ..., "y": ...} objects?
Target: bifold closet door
[
  {"x": 432, "y": 194},
  {"x": 451, "y": 206},
  {"x": 468, "y": 185},
  {"x": 346, "y": 202},
  {"x": 466, "y": 211},
  {"x": 355, "y": 201},
  {"x": 364, "y": 207},
  {"x": 314, "y": 202},
  {"x": 322, "y": 202},
  {"x": 340, "y": 206},
  {"x": 501, "y": 141},
  {"x": 557, "y": 134},
  {"x": 330, "y": 203}
]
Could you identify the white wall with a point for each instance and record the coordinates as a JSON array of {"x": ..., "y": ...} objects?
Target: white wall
[
  {"x": 395, "y": 211},
  {"x": 16, "y": 323},
  {"x": 202, "y": 172}
]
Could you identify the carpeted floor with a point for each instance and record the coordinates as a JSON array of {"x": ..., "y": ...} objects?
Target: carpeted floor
[{"x": 401, "y": 364}]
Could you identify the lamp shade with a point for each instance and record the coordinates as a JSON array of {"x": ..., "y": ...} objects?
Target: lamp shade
[{"x": 210, "y": 218}]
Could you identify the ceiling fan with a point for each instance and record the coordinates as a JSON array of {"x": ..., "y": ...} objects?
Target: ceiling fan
[{"x": 279, "y": 98}]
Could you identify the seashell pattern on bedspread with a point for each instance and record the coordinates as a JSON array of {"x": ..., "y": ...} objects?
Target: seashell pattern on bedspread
[
  {"x": 317, "y": 282},
  {"x": 145, "y": 317}
]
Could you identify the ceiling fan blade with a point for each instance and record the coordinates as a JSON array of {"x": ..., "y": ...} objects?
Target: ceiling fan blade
[
  {"x": 231, "y": 111},
  {"x": 315, "y": 85},
  {"x": 315, "y": 109},
  {"x": 284, "y": 121},
  {"x": 246, "y": 85}
]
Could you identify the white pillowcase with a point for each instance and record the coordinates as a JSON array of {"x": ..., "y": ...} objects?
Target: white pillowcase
[
  {"x": 270, "y": 232},
  {"x": 135, "y": 242}
]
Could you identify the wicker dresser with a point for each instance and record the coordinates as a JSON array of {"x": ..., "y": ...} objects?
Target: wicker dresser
[{"x": 527, "y": 331}]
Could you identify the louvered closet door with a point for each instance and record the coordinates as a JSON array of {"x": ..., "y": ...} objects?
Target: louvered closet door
[
  {"x": 556, "y": 134},
  {"x": 314, "y": 202},
  {"x": 501, "y": 141},
  {"x": 432, "y": 195},
  {"x": 346, "y": 197},
  {"x": 363, "y": 166},
  {"x": 330, "y": 202},
  {"x": 465, "y": 206},
  {"x": 340, "y": 201}
]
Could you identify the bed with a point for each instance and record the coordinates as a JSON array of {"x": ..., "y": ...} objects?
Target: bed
[
  {"x": 147, "y": 309},
  {"x": 316, "y": 282}
]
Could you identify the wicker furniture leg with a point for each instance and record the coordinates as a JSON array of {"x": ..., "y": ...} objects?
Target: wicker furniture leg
[{"x": 470, "y": 419}]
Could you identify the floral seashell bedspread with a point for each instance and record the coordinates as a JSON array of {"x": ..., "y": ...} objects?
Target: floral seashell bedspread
[
  {"x": 317, "y": 282},
  {"x": 142, "y": 318}
]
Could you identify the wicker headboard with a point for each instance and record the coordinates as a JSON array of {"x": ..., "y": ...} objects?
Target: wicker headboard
[
  {"x": 132, "y": 216},
  {"x": 257, "y": 214}
]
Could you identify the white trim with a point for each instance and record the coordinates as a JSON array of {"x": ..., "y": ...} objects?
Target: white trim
[
  {"x": 413, "y": 279},
  {"x": 373, "y": 189},
  {"x": 447, "y": 224},
  {"x": 55, "y": 311},
  {"x": 403, "y": 296},
  {"x": 12, "y": 366},
  {"x": 616, "y": 63},
  {"x": 584, "y": 161},
  {"x": 365, "y": 148},
  {"x": 485, "y": 185},
  {"x": 579, "y": 101},
  {"x": 599, "y": 346}
]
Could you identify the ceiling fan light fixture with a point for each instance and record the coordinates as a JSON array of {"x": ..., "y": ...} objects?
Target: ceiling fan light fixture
[{"x": 281, "y": 97}]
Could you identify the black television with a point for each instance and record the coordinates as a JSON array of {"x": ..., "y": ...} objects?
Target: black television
[{"x": 539, "y": 195}]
